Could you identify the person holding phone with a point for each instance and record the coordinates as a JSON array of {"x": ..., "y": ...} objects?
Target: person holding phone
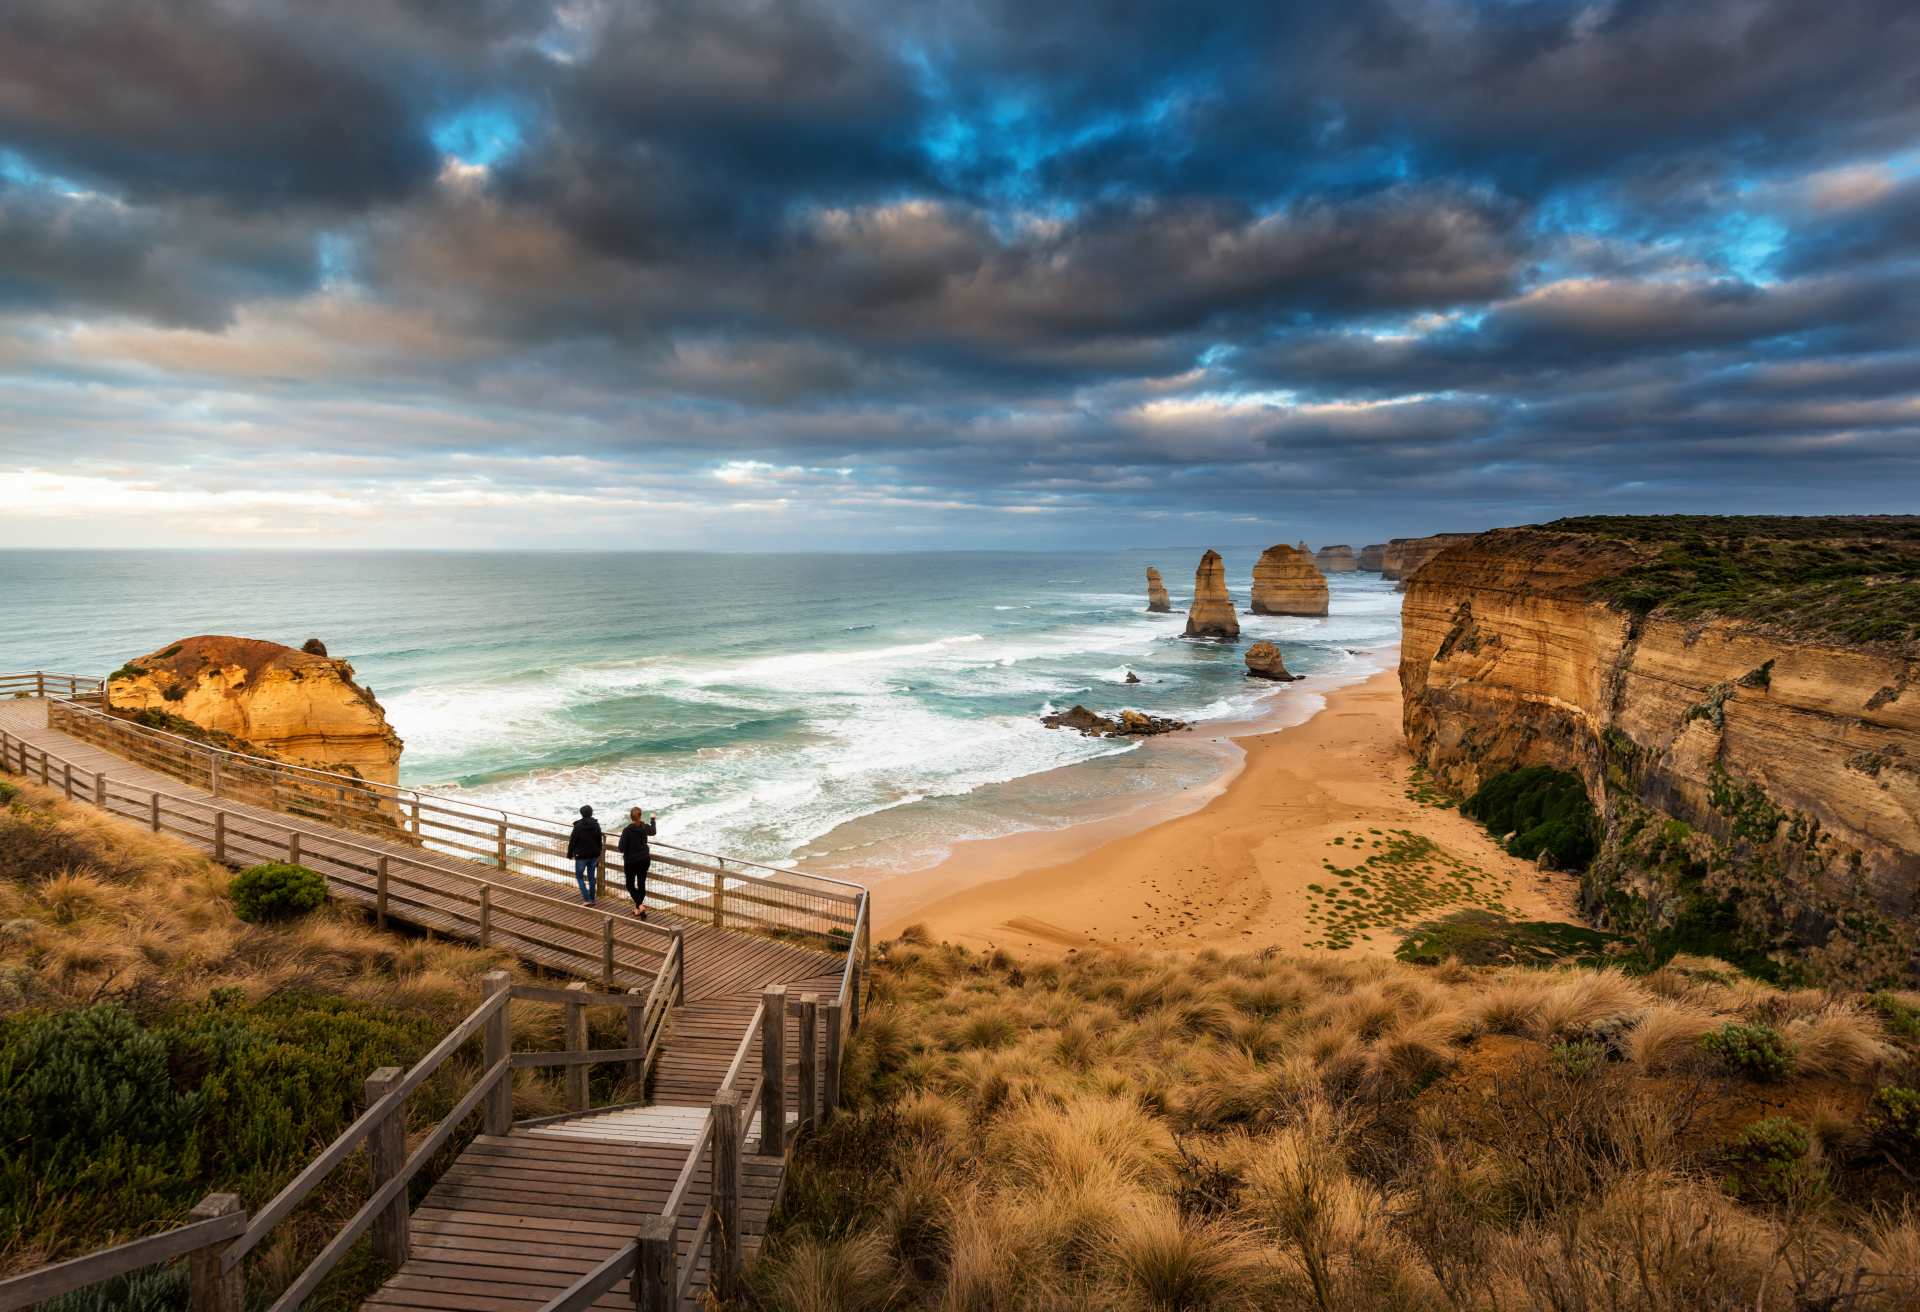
[{"x": 637, "y": 856}]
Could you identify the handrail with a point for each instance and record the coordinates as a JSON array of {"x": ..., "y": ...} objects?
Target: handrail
[{"x": 31, "y": 1287}]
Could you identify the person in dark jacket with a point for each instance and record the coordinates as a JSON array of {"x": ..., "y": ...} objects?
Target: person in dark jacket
[
  {"x": 637, "y": 856},
  {"x": 584, "y": 846}
]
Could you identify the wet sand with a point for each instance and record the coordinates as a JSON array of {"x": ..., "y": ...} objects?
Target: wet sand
[{"x": 1233, "y": 874}]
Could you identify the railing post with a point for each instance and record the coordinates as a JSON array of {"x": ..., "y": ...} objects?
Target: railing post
[
  {"x": 100, "y": 789},
  {"x": 720, "y": 895},
  {"x": 416, "y": 815},
  {"x": 40, "y": 684},
  {"x": 387, "y": 1151},
  {"x": 853, "y": 997},
  {"x": 832, "y": 1016},
  {"x": 680, "y": 976},
  {"x": 809, "y": 1071},
  {"x": 606, "y": 953},
  {"x": 486, "y": 915},
  {"x": 500, "y": 847},
  {"x": 656, "y": 1284},
  {"x": 67, "y": 776},
  {"x": 576, "y": 1030},
  {"x": 208, "y": 1289},
  {"x": 637, "y": 1038},
  {"x": 154, "y": 808},
  {"x": 497, "y": 1044},
  {"x": 380, "y": 894},
  {"x": 773, "y": 1070},
  {"x": 724, "y": 1260},
  {"x": 220, "y": 836},
  {"x": 213, "y": 773},
  {"x": 293, "y": 846},
  {"x": 46, "y": 767}
]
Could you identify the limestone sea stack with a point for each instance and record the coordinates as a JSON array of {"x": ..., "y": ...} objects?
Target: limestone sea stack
[
  {"x": 1265, "y": 662},
  {"x": 1212, "y": 614},
  {"x": 1157, "y": 599},
  {"x": 1286, "y": 582},
  {"x": 1372, "y": 559},
  {"x": 1336, "y": 560},
  {"x": 296, "y": 705}
]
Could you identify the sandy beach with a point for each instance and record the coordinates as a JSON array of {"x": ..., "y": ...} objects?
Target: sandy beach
[{"x": 1315, "y": 844}]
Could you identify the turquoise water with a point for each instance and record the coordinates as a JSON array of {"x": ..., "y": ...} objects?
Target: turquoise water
[{"x": 838, "y": 709}]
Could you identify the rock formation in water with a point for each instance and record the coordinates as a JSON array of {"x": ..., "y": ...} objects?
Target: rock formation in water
[
  {"x": 1157, "y": 599},
  {"x": 1405, "y": 555},
  {"x": 1336, "y": 559},
  {"x": 1128, "y": 724},
  {"x": 1212, "y": 614},
  {"x": 1131, "y": 677},
  {"x": 1373, "y": 558},
  {"x": 295, "y": 705},
  {"x": 1264, "y": 661},
  {"x": 1287, "y": 582},
  {"x": 1747, "y": 728}
]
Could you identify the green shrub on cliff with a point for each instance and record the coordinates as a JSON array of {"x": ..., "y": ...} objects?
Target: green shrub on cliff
[
  {"x": 1545, "y": 810},
  {"x": 276, "y": 890},
  {"x": 1755, "y": 1051}
]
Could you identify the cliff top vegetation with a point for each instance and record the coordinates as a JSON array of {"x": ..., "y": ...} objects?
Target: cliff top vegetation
[
  {"x": 1851, "y": 578},
  {"x": 1203, "y": 1131}
]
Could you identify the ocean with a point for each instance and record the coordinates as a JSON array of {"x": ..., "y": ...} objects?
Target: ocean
[{"x": 845, "y": 711}]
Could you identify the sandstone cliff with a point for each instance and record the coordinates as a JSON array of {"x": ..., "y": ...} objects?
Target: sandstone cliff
[
  {"x": 1157, "y": 599},
  {"x": 1373, "y": 558},
  {"x": 1755, "y": 762},
  {"x": 294, "y": 704},
  {"x": 1403, "y": 556},
  {"x": 1287, "y": 582},
  {"x": 1336, "y": 559},
  {"x": 1212, "y": 614}
]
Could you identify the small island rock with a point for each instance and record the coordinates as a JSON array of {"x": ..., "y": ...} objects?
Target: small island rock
[
  {"x": 1264, "y": 662},
  {"x": 1336, "y": 559},
  {"x": 1287, "y": 582},
  {"x": 1157, "y": 599},
  {"x": 1212, "y": 614}
]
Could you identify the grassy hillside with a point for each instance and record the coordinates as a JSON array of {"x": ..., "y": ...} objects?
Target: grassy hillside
[
  {"x": 1201, "y": 1132},
  {"x": 155, "y": 1048},
  {"x": 1848, "y": 578}
]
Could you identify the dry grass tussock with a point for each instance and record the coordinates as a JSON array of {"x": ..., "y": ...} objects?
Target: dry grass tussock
[{"x": 1135, "y": 1131}]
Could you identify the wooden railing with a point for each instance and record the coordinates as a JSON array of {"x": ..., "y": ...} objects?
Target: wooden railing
[
  {"x": 44, "y": 683},
  {"x": 698, "y": 886},
  {"x": 551, "y": 932},
  {"x": 651, "y": 1260},
  {"x": 221, "y": 1235}
]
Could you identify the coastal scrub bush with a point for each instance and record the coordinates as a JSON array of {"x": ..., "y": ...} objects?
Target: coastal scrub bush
[
  {"x": 1544, "y": 809},
  {"x": 1755, "y": 1051},
  {"x": 7, "y": 793},
  {"x": 1893, "y": 1119},
  {"x": 1767, "y": 1162},
  {"x": 276, "y": 890}
]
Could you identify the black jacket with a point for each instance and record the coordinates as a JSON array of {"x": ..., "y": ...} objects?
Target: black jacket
[
  {"x": 633, "y": 841},
  {"x": 586, "y": 839}
]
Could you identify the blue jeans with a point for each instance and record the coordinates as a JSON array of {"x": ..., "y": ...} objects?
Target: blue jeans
[{"x": 586, "y": 873}]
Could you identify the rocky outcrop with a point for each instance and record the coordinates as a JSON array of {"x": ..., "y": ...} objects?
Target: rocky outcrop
[
  {"x": 294, "y": 705},
  {"x": 1212, "y": 614},
  {"x": 1337, "y": 559},
  {"x": 1128, "y": 724},
  {"x": 1287, "y": 582},
  {"x": 1264, "y": 661},
  {"x": 1403, "y": 556},
  {"x": 1373, "y": 558},
  {"x": 1753, "y": 782},
  {"x": 1157, "y": 599}
]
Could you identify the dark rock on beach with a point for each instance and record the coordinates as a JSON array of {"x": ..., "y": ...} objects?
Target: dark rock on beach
[{"x": 1129, "y": 724}]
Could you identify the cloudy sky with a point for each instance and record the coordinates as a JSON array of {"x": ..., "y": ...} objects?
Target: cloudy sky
[{"x": 948, "y": 273}]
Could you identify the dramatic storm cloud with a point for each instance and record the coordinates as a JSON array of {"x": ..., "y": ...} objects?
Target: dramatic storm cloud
[{"x": 744, "y": 273}]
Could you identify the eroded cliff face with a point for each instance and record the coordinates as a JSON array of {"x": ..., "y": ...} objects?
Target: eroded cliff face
[
  {"x": 1338, "y": 559},
  {"x": 1761, "y": 782},
  {"x": 1402, "y": 556},
  {"x": 1373, "y": 558},
  {"x": 1287, "y": 582},
  {"x": 297, "y": 705}
]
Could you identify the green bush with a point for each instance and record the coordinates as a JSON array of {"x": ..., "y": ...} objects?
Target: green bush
[
  {"x": 7, "y": 793},
  {"x": 117, "y": 1127},
  {"x": 1893, "y": 1119},
  {"x": 1546, "y": 810},
  {"x": 277, "y": 890},
  {"x": 1755, "y": 1051},
  {"x": 1767, "y": 1162}
]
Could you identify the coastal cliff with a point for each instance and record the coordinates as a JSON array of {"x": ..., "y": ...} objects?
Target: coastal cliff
[
  {"x": 1287, "y": 582},
  {"x": 295, "y": 705},
  {"x": 1402, "y": 556},
  {"x": 1373, "y": 558},
  {"x": 1338, "y": 559},
  {"x": 1738, "y": 696},
  {"x": 1212, "y": 614}
]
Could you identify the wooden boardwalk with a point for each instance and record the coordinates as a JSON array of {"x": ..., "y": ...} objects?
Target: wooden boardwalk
[{"x": 521, "y": 1216}]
